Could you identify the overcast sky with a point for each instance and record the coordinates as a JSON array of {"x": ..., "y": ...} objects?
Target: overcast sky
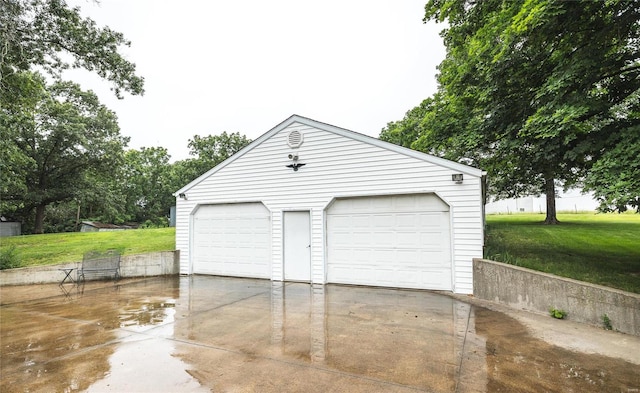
[{"x": 245, "y": 66}]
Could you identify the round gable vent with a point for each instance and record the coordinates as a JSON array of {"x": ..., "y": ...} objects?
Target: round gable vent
[{"x": 294, "y": 139}]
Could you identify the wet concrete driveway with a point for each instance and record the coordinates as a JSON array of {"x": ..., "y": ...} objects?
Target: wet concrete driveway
[{"x": 200, "y": 334}]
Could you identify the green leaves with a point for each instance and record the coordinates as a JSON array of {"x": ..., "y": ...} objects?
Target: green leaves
[
  {"x": 615, "y": 177},
  {"x": 536, "y": 92},
  {"x": 56, "y": 136},
  {"x": 53, "y": 37},
  {"x": 144, "y": 181},
  {"x": 557, "y": 314},
  {"x": 406, "y": 132},
  {"x": 213, "y": 149}
]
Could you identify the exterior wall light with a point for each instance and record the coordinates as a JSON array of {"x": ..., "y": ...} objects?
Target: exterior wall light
[
  {"x": 457, "y": 178},
  {"x": 182, "y": 195}
]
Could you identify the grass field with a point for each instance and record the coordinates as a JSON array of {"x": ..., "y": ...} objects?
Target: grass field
[
  {"x": 49, "y": 249},
  {"x": 597, "y": 248}
]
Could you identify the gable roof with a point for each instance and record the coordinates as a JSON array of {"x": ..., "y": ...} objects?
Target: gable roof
[{"x": 466, "y": 169}]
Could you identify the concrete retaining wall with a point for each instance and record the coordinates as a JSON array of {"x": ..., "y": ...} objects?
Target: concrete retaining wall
[
  {"x": 139, "y": 265},
  {"x": 535, "y": 291},
  {"x": 152, "y": 264}
]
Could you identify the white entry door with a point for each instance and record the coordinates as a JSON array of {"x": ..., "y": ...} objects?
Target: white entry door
[{"x": 297, "y": 246}]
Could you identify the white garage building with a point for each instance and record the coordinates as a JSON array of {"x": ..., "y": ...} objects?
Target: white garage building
[{"x": 311, "y": 202}]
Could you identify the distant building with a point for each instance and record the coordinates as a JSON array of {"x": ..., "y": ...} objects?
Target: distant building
[
  {"x": 94, "y": 226},
  {"x": 9, "y": 228},
  {"x": 172, "y": 216},
  {"x": 571, "y": 201}
]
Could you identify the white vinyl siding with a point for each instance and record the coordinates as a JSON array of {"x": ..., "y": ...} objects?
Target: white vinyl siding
[{"x": 339, "y": 164}]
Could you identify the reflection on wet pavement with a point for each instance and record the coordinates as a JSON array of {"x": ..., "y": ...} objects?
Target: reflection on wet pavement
[
  {"x": 539, "y": 367},
  {"x": 147, "y": 312},
  {"x": 223, "y": 334}
]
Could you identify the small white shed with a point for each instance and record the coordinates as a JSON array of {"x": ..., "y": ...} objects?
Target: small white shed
[{"x": 311, "y": 202}]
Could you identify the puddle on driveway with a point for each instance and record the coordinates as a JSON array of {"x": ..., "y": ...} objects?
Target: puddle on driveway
[
  {"x": 223, "y": 334},
  {"x": 517, "y": 362}
]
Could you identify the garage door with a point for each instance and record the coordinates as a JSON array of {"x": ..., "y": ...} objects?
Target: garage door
[
  {"x": 394, "y": 241},
  {"x": 232, "y": 240}
]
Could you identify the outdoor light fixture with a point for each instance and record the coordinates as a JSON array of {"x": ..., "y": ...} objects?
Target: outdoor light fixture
[
  {"x": 183, "y": 196},
  {"x": 457, "y": 177}
]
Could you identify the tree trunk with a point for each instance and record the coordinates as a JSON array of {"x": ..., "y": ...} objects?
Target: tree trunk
[
  {"x": 39, "y": 227},
  {"x": 77, "y": 218},
  {"x": 550, "y": 191}
]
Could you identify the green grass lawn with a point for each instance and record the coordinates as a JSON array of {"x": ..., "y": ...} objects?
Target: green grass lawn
[
  {"x": 597, "y": 248},
  {"x": 49, "y": 249}
]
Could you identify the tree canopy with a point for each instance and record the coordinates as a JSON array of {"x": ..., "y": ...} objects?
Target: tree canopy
[
  {"x": 207, "y": 151},
  {"x": 65, "y": 133},
  {"x": 53, "y": 135},
  {"x": 145, "y": 183},
  {"x": 536, "y": 92},
  {"x": 51, "y": 36}
]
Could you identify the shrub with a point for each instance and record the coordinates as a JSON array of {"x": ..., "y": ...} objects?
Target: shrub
[
  {"x": 558, "y": 314},
  {"x": 606, "y": 322},
  {"x": 157, "y": 222},
  {"x": 9, "y": 258}
]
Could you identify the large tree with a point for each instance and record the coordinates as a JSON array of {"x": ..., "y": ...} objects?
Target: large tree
[
  {"x": 65, "y": 134},
  {"x": 534, "y": 91},
  {"x": 48, "y": 37}
]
